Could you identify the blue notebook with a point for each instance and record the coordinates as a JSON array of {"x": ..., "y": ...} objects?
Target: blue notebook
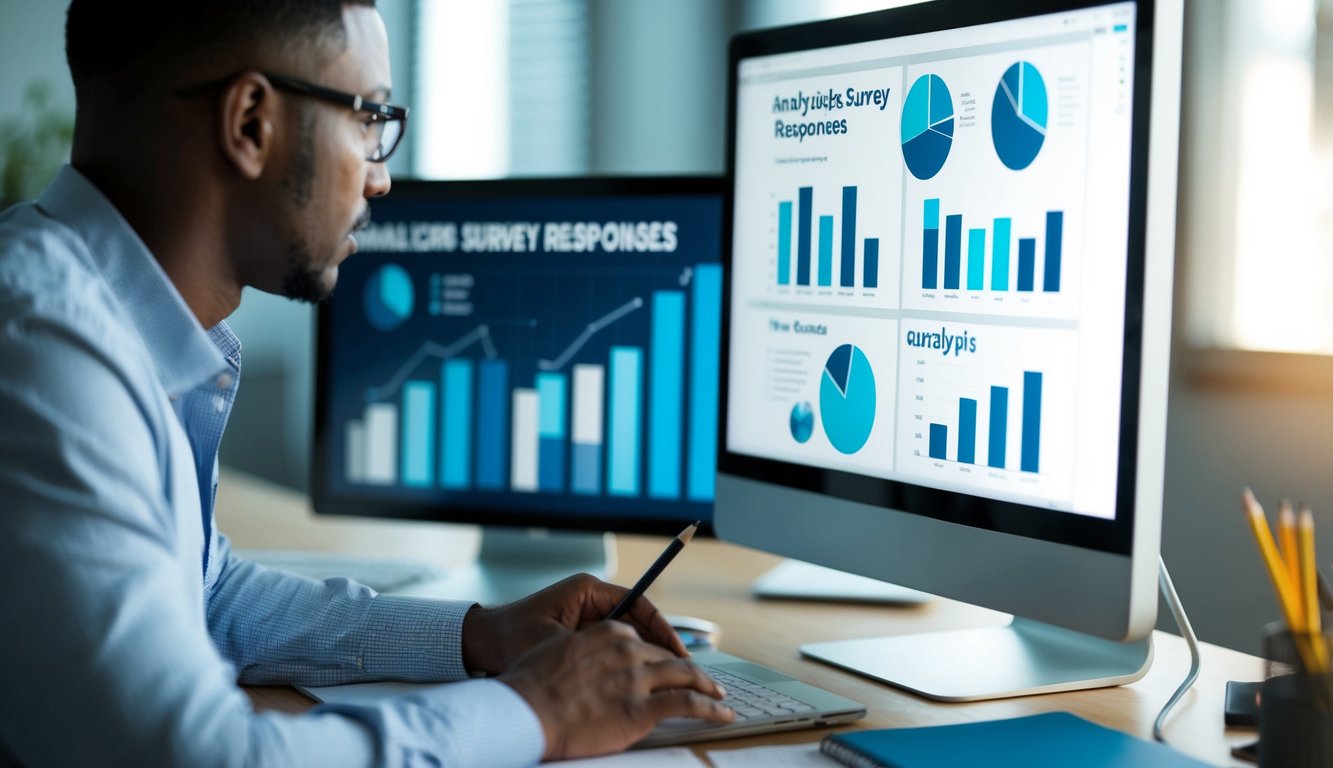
[{"x": 1053, "y": 740}]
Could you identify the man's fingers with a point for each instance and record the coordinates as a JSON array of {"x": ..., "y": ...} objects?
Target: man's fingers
[
  {"x": 683, "y": 702},
  {"x": 680, "y": 673},
  {"x": 654, "y": 627},
  {"x": 621, "y": 641}
]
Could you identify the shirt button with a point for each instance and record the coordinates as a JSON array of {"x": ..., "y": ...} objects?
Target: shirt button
[
  {"x": 224, "y": 381},
  {"x": 219, "y": 404}
]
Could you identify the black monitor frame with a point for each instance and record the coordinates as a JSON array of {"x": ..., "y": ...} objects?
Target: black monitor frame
[{"x": 445, "y": 192}]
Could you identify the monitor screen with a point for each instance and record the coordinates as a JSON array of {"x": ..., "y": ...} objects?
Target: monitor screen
[
  {"x": 946, "y": 323},
  {"x": 526, "y": 353}
]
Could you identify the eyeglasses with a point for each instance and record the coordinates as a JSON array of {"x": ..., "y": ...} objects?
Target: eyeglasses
[{"x": 384, "y": 123}]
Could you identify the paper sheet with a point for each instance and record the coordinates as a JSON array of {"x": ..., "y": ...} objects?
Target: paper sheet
[
  {"x": 669, "y": 757},
  {"x": 782, "y": 756}
]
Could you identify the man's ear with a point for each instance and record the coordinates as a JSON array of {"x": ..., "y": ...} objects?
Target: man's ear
[{"x": 248, "y": 123}]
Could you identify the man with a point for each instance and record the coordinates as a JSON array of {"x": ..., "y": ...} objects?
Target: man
[{"x": 221, "y": 144}]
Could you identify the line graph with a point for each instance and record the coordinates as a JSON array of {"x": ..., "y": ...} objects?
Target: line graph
[
  {"x": 481, "y": 334},
  {"x": 588, "y": 332}
]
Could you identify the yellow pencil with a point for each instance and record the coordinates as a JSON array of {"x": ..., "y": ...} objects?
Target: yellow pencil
[
  {"x": 1310, "y": 589},
  {"x": 1286, "y": 541},
  {"x": 1277, "y": 570}
]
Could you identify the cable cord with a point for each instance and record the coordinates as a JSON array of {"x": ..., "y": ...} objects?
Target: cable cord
[{"x": 1186, "y": 631}]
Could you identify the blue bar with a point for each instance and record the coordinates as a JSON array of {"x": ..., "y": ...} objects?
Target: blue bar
[
  {"x": 418, "y": 434},
  {"x": 587, "y": 468},
  {"x": 976, "y": 259},
  {"x": 1031, "y": 421},
  {"x": 666, "y": 390},
  {"x": 967, "y": 430},
  {"x": 705, "y": 355},
  {"x": 456, "y": 424},
  {"x": 999, "y": 276},
  {"x": 825, "y": 250},
  {"x": 493, "y": 425},
  {"x": 803, "y": 236},
  {"x": 626, "y": 399},
  {"x": 784, "y": 243},
  {"x": 953, "y": 250},
  {"x": 848, "y": 276},
  {"x": 871, "y": 277},
  {"x": 1055, "y": 225},
  {"x": 930, "y": 259},
  {"x": 1027, "y": 262},
  {"x": 999, "y": 421},
  {"x": 551, "y": 431},
  {"x": 939, "y": 435}
]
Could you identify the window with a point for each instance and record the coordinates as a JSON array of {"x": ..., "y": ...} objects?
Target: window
[
  {"x": 1257, "y": 135},
  {"x": 501, "y": 88}
]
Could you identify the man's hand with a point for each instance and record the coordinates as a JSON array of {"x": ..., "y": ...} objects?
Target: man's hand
[
  {"x": 493, "y": 638},
  {"x": 602, "y": 689}
]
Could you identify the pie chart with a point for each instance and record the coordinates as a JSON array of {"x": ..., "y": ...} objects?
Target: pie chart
[
  {"x": 927, "y": 126},
  {"x": 388, "y": 297},
  {"x": 802, "y": 422},
  {"x": 847, "y": 399},
  {"x": 1018, "y": 116}
]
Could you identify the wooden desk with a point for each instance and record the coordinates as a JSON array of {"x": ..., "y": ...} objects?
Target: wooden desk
[{"x": 711, "y": 580}]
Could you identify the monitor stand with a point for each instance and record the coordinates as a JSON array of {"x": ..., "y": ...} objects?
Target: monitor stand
[
  {"x": 799, "y": 580},
  {"x": 515, "y": 562},
  {"x": 1026, "y": 657}
]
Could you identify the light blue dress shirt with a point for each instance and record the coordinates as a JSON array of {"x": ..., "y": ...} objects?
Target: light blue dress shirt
[{"x": 126, "y": 622}]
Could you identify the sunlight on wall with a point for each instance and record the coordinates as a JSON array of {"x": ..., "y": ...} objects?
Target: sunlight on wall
[
  {"x": 1282, "y": 272},
  {"x": 463, "y": 58}
]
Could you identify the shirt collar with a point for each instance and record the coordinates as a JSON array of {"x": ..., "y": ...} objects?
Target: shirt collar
[{"x": 183, "y": 352}]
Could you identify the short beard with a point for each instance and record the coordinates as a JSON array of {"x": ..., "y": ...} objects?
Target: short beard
[{"x": 303, "y": 281}]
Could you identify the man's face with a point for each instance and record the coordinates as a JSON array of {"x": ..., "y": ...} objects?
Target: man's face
[{"x": 328, "y": 178}]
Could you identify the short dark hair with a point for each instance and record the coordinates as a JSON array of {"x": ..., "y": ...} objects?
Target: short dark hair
[{"x": 131, "y": 44}]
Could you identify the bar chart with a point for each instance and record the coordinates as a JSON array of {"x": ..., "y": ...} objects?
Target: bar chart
[
  {"x": 988, "y": 251},
  {"x": 638, "y": 420},
  {"x": 965, "y": 448},
  {"x": 809, "y": 255}
]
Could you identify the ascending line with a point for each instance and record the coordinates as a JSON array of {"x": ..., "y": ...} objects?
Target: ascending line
[
  {"x": 588, "y": 333},
  {"x": 481, "y": 333}
]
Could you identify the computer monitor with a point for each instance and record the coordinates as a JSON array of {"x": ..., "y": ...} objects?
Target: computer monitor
[
  {"x": 526, "y": 354},
  {"x": 946, "y": 324}
]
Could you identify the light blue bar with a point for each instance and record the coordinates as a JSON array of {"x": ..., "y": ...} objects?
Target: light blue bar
[
  {"x": 587, "y": 468},
  {"x": 551, "y": 404},
  {"x": 932, "y": 213},
  {"x": 456, "y": 424},
  {"x": 626, "y": 398},
  {"x": 826, "y": 250},
  {"x": 784, "y": 243},
  {"x": 999, "y": 276},
  {"x": 551, "y": 449},
  {"x": 418, "y": 433},
  {"x": 667, "y": 391},
  {"x": 705, "y": 350},
  {"x": 976, "y": 259}
]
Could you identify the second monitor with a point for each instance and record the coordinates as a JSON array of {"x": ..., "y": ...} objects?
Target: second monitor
[{"x": 527, "y": 353}]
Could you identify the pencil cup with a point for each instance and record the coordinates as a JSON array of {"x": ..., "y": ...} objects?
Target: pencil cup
[{"x": 1296, "y": 700}]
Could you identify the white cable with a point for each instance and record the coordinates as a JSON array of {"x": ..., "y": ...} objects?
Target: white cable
[{"x": 1186, "y": 631}]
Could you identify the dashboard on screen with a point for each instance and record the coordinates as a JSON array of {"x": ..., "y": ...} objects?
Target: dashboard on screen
[
  {"x": 932, "y": 268},
  {"x": 539, "y": 352}
]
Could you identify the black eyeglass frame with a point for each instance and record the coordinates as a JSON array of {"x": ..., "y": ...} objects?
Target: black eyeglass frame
[{"x": 379, "y": 111}]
